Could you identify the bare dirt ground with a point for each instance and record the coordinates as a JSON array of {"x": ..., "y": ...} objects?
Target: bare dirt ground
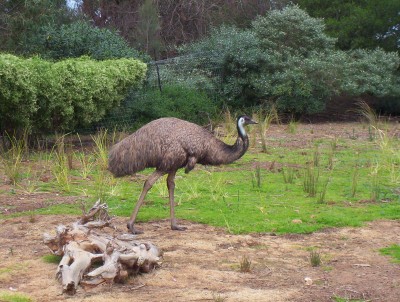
[{"x": 203, "y": 263}]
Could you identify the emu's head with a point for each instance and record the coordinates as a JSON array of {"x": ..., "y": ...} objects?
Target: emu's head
[{"x": 242, "y": 121}]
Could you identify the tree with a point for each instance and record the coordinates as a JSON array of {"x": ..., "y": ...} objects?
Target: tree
[
  {"x": 291, "y": 31},
  {"x": 22, "y": 20},
  {"x": 180, "y": 21},
  {"x": 148, "y": 28},
  {"x": 359, "y": 23},
  {"x": 79, "y": 39},
  {"x": 287, "y": 59}
]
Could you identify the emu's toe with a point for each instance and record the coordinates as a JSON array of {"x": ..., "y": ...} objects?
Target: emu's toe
[
  {"x": 132, "y": 229},
  {"x": 178, "y": 228}
]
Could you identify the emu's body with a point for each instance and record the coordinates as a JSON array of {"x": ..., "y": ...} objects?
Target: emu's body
[{"x": 169, "y": 144}]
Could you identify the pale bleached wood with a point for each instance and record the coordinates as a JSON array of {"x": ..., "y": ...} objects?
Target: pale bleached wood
[{"x": 85, "y": 243}]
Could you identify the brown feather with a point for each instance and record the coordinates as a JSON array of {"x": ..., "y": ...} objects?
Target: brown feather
[{"x": 168, "y": 144}]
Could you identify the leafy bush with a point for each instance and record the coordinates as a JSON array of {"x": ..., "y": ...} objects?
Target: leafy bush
[
  {"x": 181, "y": 72},
  {"x": 173, "y": 101},
  {"x": 81, "y": 39},
  {"x": 63, "y": 95},
  {"x": 18, "y": 92},
  {"x": 371, "y": 71},
  {"x": 21, "y": 21},
  {"x": 240, "y": 61},
  {"x": 287, "y": 59},
  {"x": 271, "y": 63},
  {"x": 292, "y": 31}
]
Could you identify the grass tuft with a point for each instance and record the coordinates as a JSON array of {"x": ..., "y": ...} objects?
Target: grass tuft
[
  {"x": 60, "y": 167},
  {"x": 315, "y": 258},
  {"x": 265, "y": 118},
  {"x": 11, "y": 156},
  {"x": 50, "y": 258},
  {"x": 322, "y": 193},
  {"x": 368, "y": 113},
  {"x": 217, "y": 297},
  {"x": 245, "y": 265},
  {"x": 310, "y": 180},
  {"x": 257, "y": 176},
  {"x": 289, "y": 175}
]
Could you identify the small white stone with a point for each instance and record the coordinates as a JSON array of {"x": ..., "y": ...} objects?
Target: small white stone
[{"x": 308, "y": 281}]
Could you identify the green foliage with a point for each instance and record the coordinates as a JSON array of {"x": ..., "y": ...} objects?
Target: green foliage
[
  {"x": 238, "y": 55},
  {"x": 173, "y": 101},
  {"x": 304, "y": 84},
  {"x": 63, "y": 95},
  {"x": 360, "y": 23},
  {"x": 286, "y": 59},
  {"x": 291, "y": 31},
  {"x": 21, "y": 21},
  {"x": 78, "y": 39},
  {"x": 267, "y": 62},
  {"x": 18, "y": 92},
  {"x": 371, "y": 72},
  {"x": 148, "y": 27}
]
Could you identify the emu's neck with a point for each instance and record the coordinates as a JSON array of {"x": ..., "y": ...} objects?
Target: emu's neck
[
  {"x": 240, "y": 147},
  {"x": 226, "y": 154}
]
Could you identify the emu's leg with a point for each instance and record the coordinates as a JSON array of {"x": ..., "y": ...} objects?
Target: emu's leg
[
  {"x": 146, "y": 187},
  {"x": 171, "y": 188}
]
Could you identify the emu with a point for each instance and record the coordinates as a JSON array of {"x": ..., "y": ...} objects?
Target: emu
[{"x": 169, "y": 144}]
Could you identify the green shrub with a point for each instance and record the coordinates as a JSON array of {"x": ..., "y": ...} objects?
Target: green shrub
[
  {"x": 291, "y": 31},
  {"x": 88, "y": 89},
  {"x": 64, "y": 95},
  {"x": 18, "y": 93},
  {"x": 372, "y": 72},
  {"x": 80, "y": 39},
  {"x": 286, "y": 59},
  {"x": 173, "y": 101},
  {"x": 240, "y": 61}
]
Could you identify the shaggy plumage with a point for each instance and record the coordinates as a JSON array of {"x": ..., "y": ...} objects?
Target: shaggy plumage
[{"x": 169, "y": 144}]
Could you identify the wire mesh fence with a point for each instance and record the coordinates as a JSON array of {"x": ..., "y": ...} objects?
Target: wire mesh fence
[{"x": 192, "y": 72}]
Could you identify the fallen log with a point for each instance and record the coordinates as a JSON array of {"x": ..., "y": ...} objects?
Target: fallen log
[{"x": 86, "y": 243}]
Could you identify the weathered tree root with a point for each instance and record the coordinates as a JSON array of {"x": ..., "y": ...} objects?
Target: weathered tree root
[{"x": 80, "y": 246}]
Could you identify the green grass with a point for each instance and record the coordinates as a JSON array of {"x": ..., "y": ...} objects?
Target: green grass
[
  {"x": 233, "y": 198},
  {"x": 339, "y": 299},
  {"x": 13, "y": 297},
  {"x": 50, "y": 258},
  {"x": 393, "y": 251}
]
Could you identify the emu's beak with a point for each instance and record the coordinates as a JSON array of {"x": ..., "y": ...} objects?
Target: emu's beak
[{"x": 251, "y": 122}]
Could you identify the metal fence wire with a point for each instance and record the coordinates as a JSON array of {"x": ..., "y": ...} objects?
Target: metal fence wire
[{"x": 189, "y": 71}]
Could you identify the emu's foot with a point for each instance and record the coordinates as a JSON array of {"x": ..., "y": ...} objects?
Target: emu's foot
[
  {"x": 178, "y": 228},
  {"x": 132, "y": 229}
]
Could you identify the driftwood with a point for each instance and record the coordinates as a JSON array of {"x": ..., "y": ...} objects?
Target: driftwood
[{"x": 85, "y": 243}]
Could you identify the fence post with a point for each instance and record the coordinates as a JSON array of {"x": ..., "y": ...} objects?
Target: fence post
[{"x": 158, "y": 77}]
